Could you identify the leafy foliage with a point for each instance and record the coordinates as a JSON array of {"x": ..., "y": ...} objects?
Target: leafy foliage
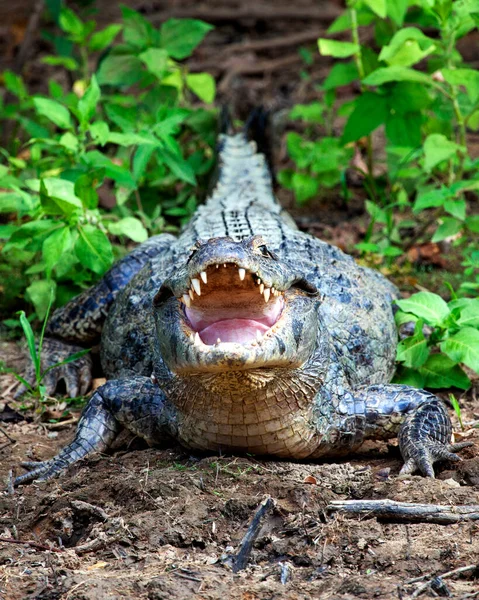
[
  {"x": 416, "y": 86},
  {"x": 124, "y": 134},
  {"x": 434, "y": 359}
]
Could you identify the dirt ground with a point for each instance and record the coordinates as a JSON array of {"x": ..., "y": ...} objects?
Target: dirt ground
[
  {"x": 162, "y": 524},
  {"x": 155, "y": 524}
]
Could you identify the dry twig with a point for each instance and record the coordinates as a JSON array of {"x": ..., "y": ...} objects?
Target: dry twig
[
  {"x": 407, "y": 511},
  {"x": 239, "y": 561}
]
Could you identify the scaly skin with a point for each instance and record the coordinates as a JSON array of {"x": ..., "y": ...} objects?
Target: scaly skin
[{"x": 315, "y": 385}]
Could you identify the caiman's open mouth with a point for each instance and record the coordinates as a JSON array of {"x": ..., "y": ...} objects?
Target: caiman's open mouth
[{"x": 227, "y": 303}]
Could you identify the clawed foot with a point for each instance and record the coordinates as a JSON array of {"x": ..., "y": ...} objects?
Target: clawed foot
[
  {"x": 41, "y": 471},
  {"x": 76, "y": 375},
  {"x": 426, "y": 454}
]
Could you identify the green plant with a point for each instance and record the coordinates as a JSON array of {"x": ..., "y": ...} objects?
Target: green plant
[
  {"x": 432, "y": 359},
  {"x": 418, "y": 88},
  {"x": 457, "y": 409},
  {"x": 35, "y": 351},
  {"x": 125, "y": 133}
]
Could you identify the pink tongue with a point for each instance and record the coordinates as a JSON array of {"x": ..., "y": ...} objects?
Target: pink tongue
[{"x": 240, "y": 331}]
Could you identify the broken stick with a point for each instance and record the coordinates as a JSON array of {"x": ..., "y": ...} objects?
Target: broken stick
[
  {"x": 239, "y": 561},
  {"x": 407, "y": 511}
]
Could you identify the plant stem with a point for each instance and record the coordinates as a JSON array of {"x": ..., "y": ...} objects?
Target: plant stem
[{"x": 358, "y": 59}]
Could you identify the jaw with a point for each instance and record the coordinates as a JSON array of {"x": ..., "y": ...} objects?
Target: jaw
[{"x": 229, "y": 319}]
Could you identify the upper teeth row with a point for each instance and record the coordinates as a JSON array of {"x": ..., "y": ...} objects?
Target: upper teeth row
[{"x": 196, "y": 287}]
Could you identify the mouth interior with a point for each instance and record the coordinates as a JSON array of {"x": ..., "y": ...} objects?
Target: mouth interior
[{"x": 230, "y": 309}]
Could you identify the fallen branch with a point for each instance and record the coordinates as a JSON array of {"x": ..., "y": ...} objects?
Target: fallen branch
[
  {"x": 239, "y": 561},
  {"x": 282, "y": 41},
  {"x": 30, "y": 544},
  {"x": 266, "y": 12},
  {"x": 407, "y": 511},
  {"x": 435, "y": 582}
]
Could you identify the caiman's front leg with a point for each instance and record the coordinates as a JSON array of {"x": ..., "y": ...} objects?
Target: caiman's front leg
[
  {"x": 136, "y": 403},
  {"x": 78, "y": 324},
  {"x": 418, "y": 418}
]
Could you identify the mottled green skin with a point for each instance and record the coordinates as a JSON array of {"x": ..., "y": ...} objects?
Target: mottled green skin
[{"x": 318, "y": 387}]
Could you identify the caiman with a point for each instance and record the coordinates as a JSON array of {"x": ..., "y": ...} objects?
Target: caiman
[{"x": 243, "y": 334}]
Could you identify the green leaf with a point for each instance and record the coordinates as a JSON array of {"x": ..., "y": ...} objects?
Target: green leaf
[
  {"x": 178, "y": 165},
  {"x": 138, "y": 32},
  {"x": 456, "y": 207},
  {"x": 203, "y": 85},
  {"x": 93, "y": 249},
  {"x": 87, "y": 104},
  {"x": 343, "y": 22},
  {"x": 378, "y": 7},
  {"x": 14, "y": 84},
  {"x": 370, "y": 111},
  {"x": 55, "y": 245},
  {"x": 57, "y": 196},
  {"x": 411, "y": 377},
  {"x": 102, "y": 39},
  {"x": 70, "y": 23},
  {"x": 396, "y": 73},
  {"x": 468, "y": 78},
  {"x": 30, "y": 235},
  {"x": 40, "y": 293},
  {"x": 179, "y": 37},
  {"x": 448, "y": 228},
  {"x": 377, "y": 214},
  {"x": 407, "y": 47},
  {"x": 123, "y": 70},
  {"x": 413, "y": 351},
  {"x": 304, "y": 186},
  {"x": 469, "y": 315},
  {"x": 442, "y": 372},
  {"x": 30, "y": 337},
  {"x": 342, "y": 73},
  {"x": 463, "y": 347},
  {"x": 396, "y": 9},
  {"x": 430, "y": 198},
  {"x": 100, "y": 131},
  {"x": 61, "y": 61},
  {"x": 54, "y": 111},
  {"x": 472, "y": 223},
  {"x": 425, "y": 305},
  {"x": 309, "y": 113},
  {"x": 69, "y": 141},
  {"x": 131, "y": 227},
  {"x": 337, "y": 49},
  {"x": 156, "y": 61},
  {"x": 85, "y": 187},
  {"x": 438, "y": 148}
]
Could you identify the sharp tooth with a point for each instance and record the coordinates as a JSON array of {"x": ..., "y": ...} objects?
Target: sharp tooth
[
  {"x": 224, "y": 265},
  {"x": 197, "y": 339},
  {"x": 203, "y": 276},
  {"x": 190, "y": 292},
  {"x": 187, "y": 300},
  {"x": 192, "y": 338},
  {"x": 259, "y": 337},
  {"x": 258, "y": 281},
  {"x": 197, "y": 286},
  {"x": 267, "y": 292},
  {"x": 242, "y": 274},
  {"x": 217, "y": 266},
  {"x": 261, "y": 288},
  {"x": 273, "y": 291},
  {"x": 218, "y": 341}
]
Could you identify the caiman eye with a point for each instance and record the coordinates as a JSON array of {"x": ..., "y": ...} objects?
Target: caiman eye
[{"x": 267, "y": 253}]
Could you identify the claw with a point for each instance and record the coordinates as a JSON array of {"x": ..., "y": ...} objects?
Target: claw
[{"x": 77, "y": 375}]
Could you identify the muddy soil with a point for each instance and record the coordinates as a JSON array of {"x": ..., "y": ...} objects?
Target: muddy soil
[{"x": 163, "y": 524}]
